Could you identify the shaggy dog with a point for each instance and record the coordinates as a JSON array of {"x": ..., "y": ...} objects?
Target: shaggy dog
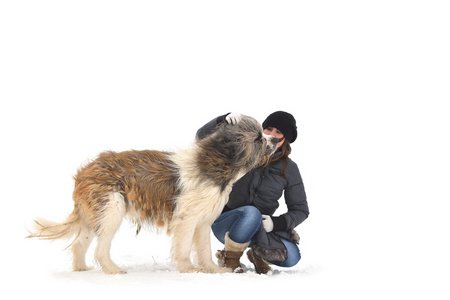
[{"x": 184, "y": 192}]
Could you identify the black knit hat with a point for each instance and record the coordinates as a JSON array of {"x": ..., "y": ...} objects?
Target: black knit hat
[{"x": 284, "y": 122}]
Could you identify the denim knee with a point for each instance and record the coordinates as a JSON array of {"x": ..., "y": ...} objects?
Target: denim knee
[
  {"x": 242, "y": 223},
  {"x": 293, "y": 258},
  {"x": 247, "y": 225},
  {"x": 293, "y": 255},
  {"x": 251, "y": 214}
]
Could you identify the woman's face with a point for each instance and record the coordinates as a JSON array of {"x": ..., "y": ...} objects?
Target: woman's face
[{"x": 276, "y": 133}]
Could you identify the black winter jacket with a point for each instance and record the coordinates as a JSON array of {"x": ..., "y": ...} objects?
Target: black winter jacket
[{"x": 264, "y": 186}]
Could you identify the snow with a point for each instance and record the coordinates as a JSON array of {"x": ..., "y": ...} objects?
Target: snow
[
  {"x": 367, "y": 82},
  {"x": 146, "y": 258}
]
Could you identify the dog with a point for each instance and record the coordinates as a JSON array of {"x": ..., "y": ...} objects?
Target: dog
[{"x": 183, "y": 192}]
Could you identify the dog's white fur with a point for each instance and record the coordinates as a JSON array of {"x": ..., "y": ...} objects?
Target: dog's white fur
[{"x": 194, "y": 214}]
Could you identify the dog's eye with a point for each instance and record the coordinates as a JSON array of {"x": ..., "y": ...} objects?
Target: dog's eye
[{"x": 260, "y": 136}]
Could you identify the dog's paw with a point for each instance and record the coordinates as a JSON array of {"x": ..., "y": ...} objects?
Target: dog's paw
[
  {"x": 82, "y": 269},
  {"x": 224, "y": 270},
  {"x": 115, "y": 271},
  {"x": 190, "y": 269},
  {"x": 216, "y": 269}
]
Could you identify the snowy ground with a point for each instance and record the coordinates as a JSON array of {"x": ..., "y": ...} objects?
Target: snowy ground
[
  {"x": 149, "y": 270},
  {"x": 368, "y": 82}
]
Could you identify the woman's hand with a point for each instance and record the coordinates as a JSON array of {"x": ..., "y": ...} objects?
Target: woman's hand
[
  {"x": 267, "y": 223},
  {"x": 233, "y": 118}
]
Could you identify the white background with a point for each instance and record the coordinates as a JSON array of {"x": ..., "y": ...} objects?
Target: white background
[{"x": 368, "y": 82}]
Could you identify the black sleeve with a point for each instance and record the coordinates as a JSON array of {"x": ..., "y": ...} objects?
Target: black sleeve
[
  {"x": 279, "y": 223},
  {"x": 208, "y": 128},
  {"x": 295, "y": 197}
]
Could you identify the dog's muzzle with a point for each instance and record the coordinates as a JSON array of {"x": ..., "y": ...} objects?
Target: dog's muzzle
[{"x": 272, "y": 146}]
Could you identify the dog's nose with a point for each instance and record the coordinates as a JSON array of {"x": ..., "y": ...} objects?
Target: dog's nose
[{"x": 275, "y": 140}]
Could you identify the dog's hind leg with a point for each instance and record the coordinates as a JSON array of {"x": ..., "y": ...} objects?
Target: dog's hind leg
[
  {"x": 202, "y": 246},
  {"x": 79, "y": 249},
  {"x": 110, "y": 220}
]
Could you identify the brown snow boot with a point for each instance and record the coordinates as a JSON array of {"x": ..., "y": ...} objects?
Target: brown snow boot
[
  {"x": 229, "y": 257},
  {"x": 261, "y": 266}
]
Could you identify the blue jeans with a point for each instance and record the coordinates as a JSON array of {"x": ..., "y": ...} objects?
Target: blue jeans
[{"x": 242, "y": 224}]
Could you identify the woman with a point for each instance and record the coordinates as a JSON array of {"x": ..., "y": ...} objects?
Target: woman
[{"x": 247, "y": 219}]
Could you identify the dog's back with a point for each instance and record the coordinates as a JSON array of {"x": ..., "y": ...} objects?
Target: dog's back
[{"x": 146, "y": 180}]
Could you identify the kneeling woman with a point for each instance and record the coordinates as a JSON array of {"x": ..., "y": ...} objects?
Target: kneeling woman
[{"x": 247, "y": 220}]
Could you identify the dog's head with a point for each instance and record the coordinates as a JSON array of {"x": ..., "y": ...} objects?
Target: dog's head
[
  {"x": 237, "y": 149},
  {"x": 251, "y": 146}
]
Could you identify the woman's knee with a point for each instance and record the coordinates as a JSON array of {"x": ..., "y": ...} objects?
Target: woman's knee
[
  {"x": 293, "y": 255},
  {"x": 251, "y": 218},
  {"x": 247, "y": 225},
  {"x": 242, "y": 223},
  {"x": 251, "y": 213},
  {"x": 293, "y": 258}
]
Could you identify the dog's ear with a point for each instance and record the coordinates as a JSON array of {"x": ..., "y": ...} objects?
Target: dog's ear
[{"x": 225, "y": 143}]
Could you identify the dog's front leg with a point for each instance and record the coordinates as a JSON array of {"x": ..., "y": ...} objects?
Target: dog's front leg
[
  {"x": 202, "y": 246},
  {"x": 182, "y": 236}
]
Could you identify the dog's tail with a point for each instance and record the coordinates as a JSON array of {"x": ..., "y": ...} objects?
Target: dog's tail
[{"x": 48, "y": 230}]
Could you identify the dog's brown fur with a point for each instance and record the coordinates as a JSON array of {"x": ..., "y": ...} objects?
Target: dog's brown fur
[
  {"x": 146, "y": 179},
  {"x": 183, "y": 191}
]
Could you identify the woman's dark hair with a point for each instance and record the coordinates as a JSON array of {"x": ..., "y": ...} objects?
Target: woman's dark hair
[{"x": 285, "y": 150}]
